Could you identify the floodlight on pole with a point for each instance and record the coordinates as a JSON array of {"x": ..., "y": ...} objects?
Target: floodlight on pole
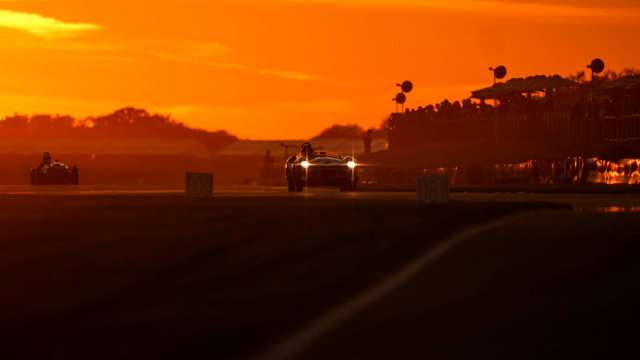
[
  {"x": 406, "y": 86},
  {"x": 597, "y": 66},
  {"x": 499, "y": 73},
  {"x": 400, "y": 99}
]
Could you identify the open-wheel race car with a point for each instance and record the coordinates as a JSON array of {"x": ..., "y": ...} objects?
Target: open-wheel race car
[
  {"x": 320, "y": 169},
  {"x": 53, "y": 172}
]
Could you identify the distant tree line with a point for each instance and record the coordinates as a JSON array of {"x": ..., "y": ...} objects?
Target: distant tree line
[
  {"x": 123, "y": 123},
  {"x": 348, "y": 131}
]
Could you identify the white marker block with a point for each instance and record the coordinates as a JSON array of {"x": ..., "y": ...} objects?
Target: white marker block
[
  {"x": 199, "y": 185},
  {"x": 433, "y": 189}
]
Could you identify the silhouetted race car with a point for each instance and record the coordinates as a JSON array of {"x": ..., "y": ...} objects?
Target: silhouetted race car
[
  {"x": 320, "y": 169},
  {"x": 53, "y": 172}
]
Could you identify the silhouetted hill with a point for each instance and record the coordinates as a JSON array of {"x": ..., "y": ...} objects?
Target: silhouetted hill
[
  {"x": 349, "y": 131},
  {"x": 126, "y": 123}
]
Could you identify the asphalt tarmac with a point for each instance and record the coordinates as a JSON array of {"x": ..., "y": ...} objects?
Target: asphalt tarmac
[
  {"x": 99, "y": 272},
  {"x": 615, "y": 202}
]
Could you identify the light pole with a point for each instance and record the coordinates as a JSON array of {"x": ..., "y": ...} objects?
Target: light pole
[
  {"x": 596, "y": 66},
  {"x": 401, "y": 98},
  {"x": 499, "y": 73}
]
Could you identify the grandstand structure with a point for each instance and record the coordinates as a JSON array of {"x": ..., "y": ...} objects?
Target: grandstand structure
[{"x": 536, "y": 129}]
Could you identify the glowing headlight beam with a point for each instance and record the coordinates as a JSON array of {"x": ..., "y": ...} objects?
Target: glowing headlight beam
[
  {"x": 305, "y": 164},
  {"x": 352, "y": 164}
]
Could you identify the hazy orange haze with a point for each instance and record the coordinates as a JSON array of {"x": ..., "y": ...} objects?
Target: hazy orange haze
[{"x": 288, "y": 68}]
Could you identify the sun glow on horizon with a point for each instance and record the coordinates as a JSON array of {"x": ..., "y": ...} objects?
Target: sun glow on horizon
[{"x": 265, "y": 69}]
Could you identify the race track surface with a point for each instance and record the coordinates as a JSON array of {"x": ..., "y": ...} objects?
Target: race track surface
[
  {"x": 555, "y": 285},
  {"x": 128, "y": 273},
  {"x": 618, "y": 201}
]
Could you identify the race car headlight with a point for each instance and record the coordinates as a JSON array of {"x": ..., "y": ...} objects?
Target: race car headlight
[
  {"x": 352, "y": 164},
  {"x": 305, "y": 164}
]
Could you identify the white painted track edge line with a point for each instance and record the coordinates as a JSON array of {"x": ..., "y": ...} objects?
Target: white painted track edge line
[{"x": 299, "y": 341}]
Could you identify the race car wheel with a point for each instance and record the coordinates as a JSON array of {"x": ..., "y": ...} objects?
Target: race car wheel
[
  {"x": 300, "y": 186},
  {"x": 349, "y": 186},
  {"x": 291, "y": 185}
]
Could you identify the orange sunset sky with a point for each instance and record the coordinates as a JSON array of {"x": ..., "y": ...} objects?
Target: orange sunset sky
[{"x": 289, "y": 68}]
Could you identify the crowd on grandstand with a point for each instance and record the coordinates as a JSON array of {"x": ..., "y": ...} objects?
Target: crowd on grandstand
[{"x": 522, "y": 100}]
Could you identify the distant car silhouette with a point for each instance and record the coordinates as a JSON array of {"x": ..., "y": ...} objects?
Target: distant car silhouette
[
  {"x": 320, "y": 169},
  {"x": 53, "y": 172}
]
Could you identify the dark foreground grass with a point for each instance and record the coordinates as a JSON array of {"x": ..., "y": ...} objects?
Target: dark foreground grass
[{"x": 169, "y": 277}]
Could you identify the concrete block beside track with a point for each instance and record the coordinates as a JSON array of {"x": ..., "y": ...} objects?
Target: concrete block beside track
[
  {"x": 432, "y": 189},
  {"x": 199, "y": 185}
]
